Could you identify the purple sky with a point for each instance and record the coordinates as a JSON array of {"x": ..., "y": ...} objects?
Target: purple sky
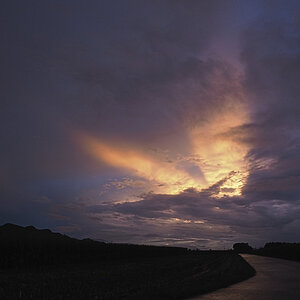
[{"x": 156, "y": 122}]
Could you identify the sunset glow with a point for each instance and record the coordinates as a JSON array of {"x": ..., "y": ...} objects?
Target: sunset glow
[
  {"x": 216, "y": 154},
  {"x": 219, "y": 153},
  {"x": 164, "y": 176}
]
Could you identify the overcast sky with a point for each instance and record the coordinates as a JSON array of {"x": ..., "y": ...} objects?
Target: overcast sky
[{"x": 152, "y": 121}]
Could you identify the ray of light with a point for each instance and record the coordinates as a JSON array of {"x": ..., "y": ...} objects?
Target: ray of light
[
  {"x": 220, "y": 154},
  {"x": 217, "y": 155},
  {"x": 165, "y": 175}
]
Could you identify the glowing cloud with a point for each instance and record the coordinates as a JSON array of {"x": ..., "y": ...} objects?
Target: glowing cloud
[
  {"x": 165, "y": 176},
  {"x": 214, "y": 154},
  {"x": 219, "y": 154}
]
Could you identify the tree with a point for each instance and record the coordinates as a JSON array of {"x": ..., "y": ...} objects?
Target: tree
[{"x": 242, "y": 248}]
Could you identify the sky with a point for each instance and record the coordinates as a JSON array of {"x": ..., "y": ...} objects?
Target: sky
[{"x": 160, "y": 122}]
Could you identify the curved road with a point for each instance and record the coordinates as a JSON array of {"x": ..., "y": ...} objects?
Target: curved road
[{"x": 275, "y": 279}]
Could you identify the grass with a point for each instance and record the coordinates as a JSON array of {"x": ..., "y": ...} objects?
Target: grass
[{"x": 174, "y": 277}]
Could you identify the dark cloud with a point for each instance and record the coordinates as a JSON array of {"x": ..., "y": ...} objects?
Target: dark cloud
[
  {"x": 271, "y": 56},
  {"x": 197, "y": 212}
]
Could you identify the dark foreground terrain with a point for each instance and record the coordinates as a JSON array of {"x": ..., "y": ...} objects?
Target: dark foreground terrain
[{"x": 38, "y": 264}]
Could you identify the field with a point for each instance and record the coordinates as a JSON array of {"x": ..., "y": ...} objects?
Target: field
[{"x": 174, "y": 277}]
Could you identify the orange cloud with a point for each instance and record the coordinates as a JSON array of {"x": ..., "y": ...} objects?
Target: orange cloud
[
  {"x": 166, "y": 175},
  {"x": 214, "y": 152},
  {"x": 219, "y": 153}
]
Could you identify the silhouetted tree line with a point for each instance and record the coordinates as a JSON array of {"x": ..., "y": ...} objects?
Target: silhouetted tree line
[
  {"x": 30, "y": 247},
  {"x": 289, "y": 251},
  {"x": 242, "y": 248}
]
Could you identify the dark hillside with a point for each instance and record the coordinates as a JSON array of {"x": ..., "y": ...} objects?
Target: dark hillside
[
  {"x": 30, "y": 247},
  {"x": 40, "y": 264}
]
